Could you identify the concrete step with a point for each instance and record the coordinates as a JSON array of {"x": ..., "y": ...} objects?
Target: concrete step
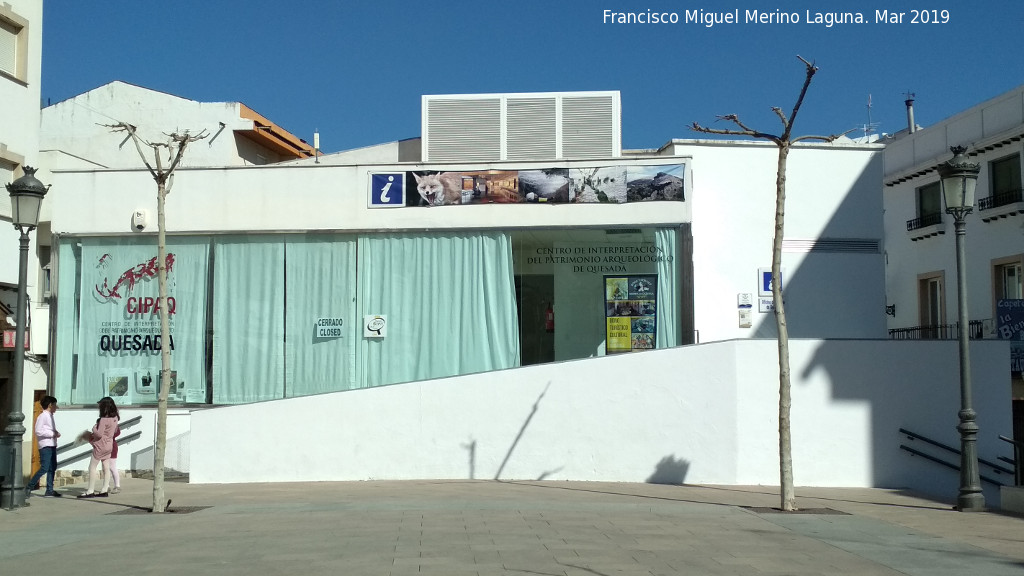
[{"x": 1011, "y": 499}]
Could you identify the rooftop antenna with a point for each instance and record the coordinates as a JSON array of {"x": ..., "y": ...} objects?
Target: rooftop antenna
[
  {"x": 870, "y": 126},
  {"x": 316, "y": 146}
]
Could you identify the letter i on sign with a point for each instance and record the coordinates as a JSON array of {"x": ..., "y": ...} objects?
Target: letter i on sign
[{"x": 387, "y": 190}]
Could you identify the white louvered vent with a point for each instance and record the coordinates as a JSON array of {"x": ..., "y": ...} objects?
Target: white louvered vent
[
  {"x": 849, "y": 245},
  {"x": 587, "y": 127},
  {"x": 527, "y": 126},
  {"x": 464, "y": 130},
  {"x": 531, "y": 128}
]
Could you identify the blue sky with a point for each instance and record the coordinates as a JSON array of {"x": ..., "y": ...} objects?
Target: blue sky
[{"x": 355, "y": 71}]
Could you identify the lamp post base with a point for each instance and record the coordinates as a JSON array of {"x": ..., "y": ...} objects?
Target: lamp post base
[
  {"x": 12, "y": 490},
  {"x": 972, "y": 502}
]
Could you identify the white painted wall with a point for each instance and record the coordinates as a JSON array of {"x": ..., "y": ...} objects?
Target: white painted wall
[
  {"x": 77, "y": 128},
  {"x": 930, "y": 145},
  {"x": 309, "y": 197},
  {"x": 707, "y": 414},
  {"x": 832, "y": 192}
]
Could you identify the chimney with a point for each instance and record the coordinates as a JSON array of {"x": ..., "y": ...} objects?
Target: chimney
[{"x": 911, "y": 127}]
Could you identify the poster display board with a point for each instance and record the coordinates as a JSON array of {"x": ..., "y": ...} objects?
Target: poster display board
[
  {"x": 1010, "y": 316},
  {"x": 631, "y": 314}
]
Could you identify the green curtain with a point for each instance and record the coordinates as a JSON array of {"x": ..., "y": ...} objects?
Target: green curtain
[
  {"x": 69, "y": 253},
  {"x": 320, "y": 273},
  {"x": 668, "y": 287},
  {"x": 449, "y": 301},
  {"x": 248, "y": 319}
]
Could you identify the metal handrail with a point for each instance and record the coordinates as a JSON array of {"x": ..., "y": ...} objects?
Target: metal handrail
[
  {"x": 946, "y": 464},
  {"x": 915, "y": 436},
  {"x": 83, "y": 454},
  {"x": 975, "y": 331},
  {"x": 126, "y": 424},
  {"x": 1018, "y": 454}
]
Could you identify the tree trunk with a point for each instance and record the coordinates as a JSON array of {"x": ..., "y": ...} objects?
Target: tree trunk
[
  {"x": 785, "y": 440},
  {"x": 165, "y": 353}
]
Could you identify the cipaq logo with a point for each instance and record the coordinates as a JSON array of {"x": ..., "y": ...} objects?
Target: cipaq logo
[{"x": 130, "y": 277}]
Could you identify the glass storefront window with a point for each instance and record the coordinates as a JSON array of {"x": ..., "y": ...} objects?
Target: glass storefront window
[
  {"x": 245, "y": 309},
  {"x": 108, "y": 327},
  {"x": 560, "y": 281}
]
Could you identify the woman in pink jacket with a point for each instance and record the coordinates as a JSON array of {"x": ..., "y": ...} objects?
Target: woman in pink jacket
[{"x": 102, "y": 440}]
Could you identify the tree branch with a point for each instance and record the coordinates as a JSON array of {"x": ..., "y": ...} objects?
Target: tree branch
[
  {"x": 782, "y": 116},
  {"x": 126, "y": 127},
  {"x": 183, "y": 140},
  {"x": 831, "y": 138},
  {"x": 745, "y": 132},
  {"x": 811, "y": 69}
]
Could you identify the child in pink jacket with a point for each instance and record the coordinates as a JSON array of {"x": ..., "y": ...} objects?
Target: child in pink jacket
[{"x": 102, "y": 440}]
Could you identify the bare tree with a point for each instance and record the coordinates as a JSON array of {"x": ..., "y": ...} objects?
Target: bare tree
[
  {"x": 784, "y": 142},
  {"x": 175, "y": 149}
]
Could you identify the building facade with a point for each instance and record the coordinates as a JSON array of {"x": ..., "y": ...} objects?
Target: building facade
[
  {"x": 921, "y": 275},
  {"x": 21, "y": 29},
  {"x": 486, "y": 276},
  {"x": 475, "y": 265}
]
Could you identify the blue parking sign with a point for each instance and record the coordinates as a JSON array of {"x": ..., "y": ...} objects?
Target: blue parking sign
[{"x": 387, "y": 190}]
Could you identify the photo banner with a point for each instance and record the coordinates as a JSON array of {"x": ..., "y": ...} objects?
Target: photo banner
[
  {"x": 1010, "y": 317},
  {"x": 589, "y": 185},
  {"x": 631, "y": 312}
]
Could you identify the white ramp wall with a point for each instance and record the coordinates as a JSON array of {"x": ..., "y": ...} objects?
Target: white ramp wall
[{"x": 697, "y": 414}]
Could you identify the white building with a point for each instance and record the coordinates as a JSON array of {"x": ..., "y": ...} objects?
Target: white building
[
  {"x": 499, "y": 301},
  {"x": 21, "y": 41},
  {"x": 77, "y": 132},
  {"x": 558, "y": 225},
  {"x": 921, "y": 276}
]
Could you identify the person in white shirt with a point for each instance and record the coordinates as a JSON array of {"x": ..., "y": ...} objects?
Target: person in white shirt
[{"x": 47, "y": 435}]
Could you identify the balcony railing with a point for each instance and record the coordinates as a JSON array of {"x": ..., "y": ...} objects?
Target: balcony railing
[
  {"x": 1001, "y": 199},
  {"x": 976, "y": 331},
  {"x": 929, "y": 220}
]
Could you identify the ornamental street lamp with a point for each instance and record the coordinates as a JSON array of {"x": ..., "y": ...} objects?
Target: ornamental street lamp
[
  {"x": 959, "y": 178},
  {"x": 26, "y": 198}
]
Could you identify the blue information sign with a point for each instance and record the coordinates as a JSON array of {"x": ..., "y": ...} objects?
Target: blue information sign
[
  {"x": 764, "y": 280},
  {"x": 387, "y": 190}
]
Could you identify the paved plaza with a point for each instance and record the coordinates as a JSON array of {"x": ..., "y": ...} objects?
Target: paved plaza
[{"x": 482, "y": 528}]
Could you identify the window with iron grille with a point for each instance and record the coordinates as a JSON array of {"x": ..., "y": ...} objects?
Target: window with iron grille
[
  {"x": 1004, "y": 175},
  {"x": 929, "y": 207}
]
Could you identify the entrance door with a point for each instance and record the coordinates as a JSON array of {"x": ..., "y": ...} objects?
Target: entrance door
[
  {"x": 37, "y": 409},
  {"x": 535, "y": 293}
]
